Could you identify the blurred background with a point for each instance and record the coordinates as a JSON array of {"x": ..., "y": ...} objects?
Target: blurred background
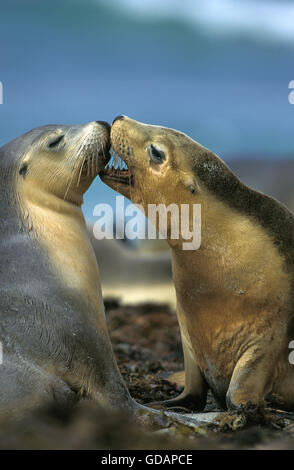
[{"x": 218, "y": 70}]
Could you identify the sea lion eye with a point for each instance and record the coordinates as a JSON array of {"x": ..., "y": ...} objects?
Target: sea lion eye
[
  {"x": 54, "y": 142},
  {"x": 156, "y": 155},
  {"x": 23, "y": 169}
]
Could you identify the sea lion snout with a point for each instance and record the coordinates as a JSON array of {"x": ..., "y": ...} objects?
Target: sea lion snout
[
  {"x": 118, "y": 118},
  {"x": 105, "y": 124}
]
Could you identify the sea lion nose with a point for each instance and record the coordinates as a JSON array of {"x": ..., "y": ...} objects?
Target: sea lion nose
[
  {"x": 105, "y": 124},
  {"x": 118, "y": 118}
]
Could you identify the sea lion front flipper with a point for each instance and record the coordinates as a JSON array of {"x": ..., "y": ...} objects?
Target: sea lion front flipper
[
  {"x": 182, "y": 403},
  {"x": 244, "y": 388}
]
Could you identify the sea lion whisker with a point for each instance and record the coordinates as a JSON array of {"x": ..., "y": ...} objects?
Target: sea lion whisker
[
  {"x": 93, "y": 164},
  {"x": 80, "y": 150},
  {"x": 76, "y": 155},
  {"x": 81, "y": 169},
  {"x": 68, "y": 187}
]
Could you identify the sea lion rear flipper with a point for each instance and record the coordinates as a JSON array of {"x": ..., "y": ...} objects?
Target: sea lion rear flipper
[
  {"x": 244, "y": 388},
  {"x": 177, "y": 378}
]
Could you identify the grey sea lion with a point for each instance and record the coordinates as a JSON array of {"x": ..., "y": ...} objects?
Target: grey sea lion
[
  {"x": 235, "y": 294},
  {"x": 53, "y": 331}
]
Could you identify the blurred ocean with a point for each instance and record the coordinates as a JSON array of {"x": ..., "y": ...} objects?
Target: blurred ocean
[{"x": 217, "y": 70}]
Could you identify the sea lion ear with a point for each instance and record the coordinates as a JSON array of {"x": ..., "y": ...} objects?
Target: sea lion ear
[
  {"x": 23, "y": 169},
  {"x": 191, "y": 186}
]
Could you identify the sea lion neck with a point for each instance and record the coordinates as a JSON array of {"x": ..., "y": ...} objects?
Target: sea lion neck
[
  {"x": 234, "y": 250},
  {"x": 41, "y": 200},
  {"x": 60, "y": 228}
]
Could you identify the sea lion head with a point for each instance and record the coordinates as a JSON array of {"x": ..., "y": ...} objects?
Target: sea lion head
[
  {"x": 165, "y": 166},
  {"x": 59, "y": 159}
]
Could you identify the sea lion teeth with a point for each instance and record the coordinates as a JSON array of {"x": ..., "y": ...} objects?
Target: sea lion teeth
[
  {"x": 117, "y": 168},
  {"x": 120, "y": 176}
]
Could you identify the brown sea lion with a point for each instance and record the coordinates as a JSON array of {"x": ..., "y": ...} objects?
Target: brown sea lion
[{"x": 234, "y": 293}]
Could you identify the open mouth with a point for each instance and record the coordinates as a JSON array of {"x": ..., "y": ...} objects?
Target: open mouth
[
  {"x": 117, "y": 170},
  {"x": 92, "y": 164}
]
